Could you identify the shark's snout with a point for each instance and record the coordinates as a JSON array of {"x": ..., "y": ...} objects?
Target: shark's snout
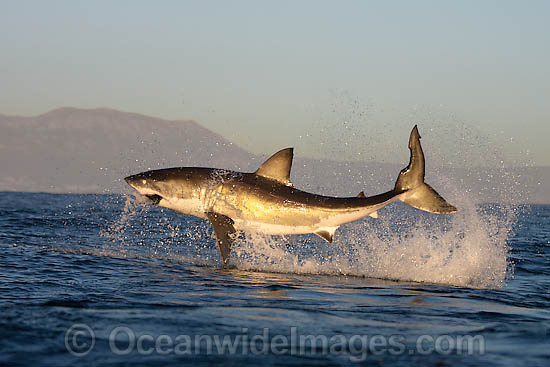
[
  {"x": 135, "y": 181},
  {"x": 130, "y": 179},
  {"x": 139, "y": 183}
]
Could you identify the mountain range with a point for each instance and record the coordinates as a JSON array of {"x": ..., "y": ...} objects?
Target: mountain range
[{"x": 91, "y": 150}]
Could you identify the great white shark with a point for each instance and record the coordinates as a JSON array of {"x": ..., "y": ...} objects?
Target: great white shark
[{"x": 265, "y": 201}]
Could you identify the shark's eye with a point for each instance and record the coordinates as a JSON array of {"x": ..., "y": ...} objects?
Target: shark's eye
[{"x": 144, "y": 181}]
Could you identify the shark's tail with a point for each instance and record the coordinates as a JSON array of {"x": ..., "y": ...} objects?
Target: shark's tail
[{"x": 410, "y": 184}]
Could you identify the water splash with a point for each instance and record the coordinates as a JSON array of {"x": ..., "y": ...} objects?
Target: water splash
[
  {"x": 133, "y": 206},
  {"x": 468, "y": 249},
  {"x": 143, "y": 230}
]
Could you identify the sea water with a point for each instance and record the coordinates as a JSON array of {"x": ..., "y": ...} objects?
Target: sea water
[{"x": 109, "y": 279}]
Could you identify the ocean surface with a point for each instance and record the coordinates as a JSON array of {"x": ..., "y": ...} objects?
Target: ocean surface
[{"x": 108, "y": 279}]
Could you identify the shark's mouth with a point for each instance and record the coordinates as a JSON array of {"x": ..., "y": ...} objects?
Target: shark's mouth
[{"x": 154, "y": 198}]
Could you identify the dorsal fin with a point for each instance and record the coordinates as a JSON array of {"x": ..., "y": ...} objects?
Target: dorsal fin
[
  {"x": 277, "y": 167},
  {"x": 361, "y": 195}
]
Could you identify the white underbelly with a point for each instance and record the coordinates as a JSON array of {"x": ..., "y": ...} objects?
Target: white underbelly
[
  {"x": 330, "y": 221},
  {"x": 185, "y": 206},
  {"x": 270, "y": 228}
]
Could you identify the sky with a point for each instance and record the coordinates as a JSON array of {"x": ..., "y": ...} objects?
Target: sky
[{"x": 266, "y": 74}]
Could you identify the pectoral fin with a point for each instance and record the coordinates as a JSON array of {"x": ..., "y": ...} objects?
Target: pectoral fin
[{"x": 223, "y": 228}]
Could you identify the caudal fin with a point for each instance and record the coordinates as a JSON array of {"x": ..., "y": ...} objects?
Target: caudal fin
[{"x": 410, "y": 183}]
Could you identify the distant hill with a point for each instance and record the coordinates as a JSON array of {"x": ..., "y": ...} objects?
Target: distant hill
[
  {"x": 91, "y": 150},
  {"x": 78, "y": 150}
]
